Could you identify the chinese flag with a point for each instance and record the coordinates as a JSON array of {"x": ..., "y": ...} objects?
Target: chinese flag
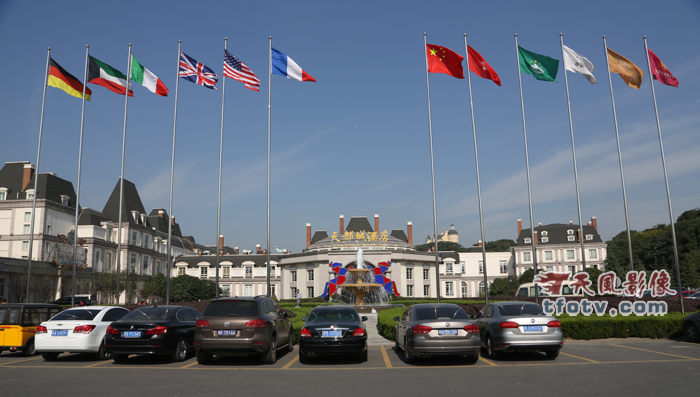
[
  {"x": 444, "y": 60},
  {"x": 661, "y": 72},
  {"x": 478, "y": 65}
]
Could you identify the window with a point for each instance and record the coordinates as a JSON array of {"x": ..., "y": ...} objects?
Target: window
[
  {"x": 544, "y": 233},
  {"x": 225, "y": 290},
  {"x": 273, "y": 290},
  {"x": 449, "y": 291},
  {"x": 548, "y": 255},
  {"x": 294, "y": 292},
  {"x": 504, "y": 266},
  {"x": 27, "y": 229},
  {"x": 527, "y": 256},
  {"x": 549, "y": 268},
  {"x": 64, "y": 199},
  {"x": 48, "y": 229},
  {"x": 273, "y": 271},
  {"x": 181, "y": 271},
  {"x": 589, "y": 237},
  {"x": 481, "y": 267},
  {"x": 592, "y": 254},
  {"x": 249, "y": 271},
  {"x": 571, "y": 238},
  {"x": 569, "y": 231},
  {"x": 132, "y": 266},
  {"x": 3, "y": 195},
  {"x": 30, "y": 194},
  {"x": 25, "y": 245},
  {"x": 108, "y": 261},
  {"x": 310, "y": 275},
  {"x": 409, "y": 273},
  {"x": 204, "y": 271},
  {"x": 545, "y": 239},
  {"x": 527, "y": 240},
  {"x": 426, "y": 274},
  {"x": 482, "y": 288},
  {"x": 97, "y": 259},
  {"x": 465, "y": 290},
  {"x": 27, "y": 216},
  {"x": 145, "y": 263},
  {"x": 146, "y": 241},
  {"x": 310, "y": 292},
  {"x": 463, "y": 267},
  {"x": 133, "y": 237},
  {"x": 294, "y": 276},
  {"x": 248, "y": 290},
  {"x": 409, "y": 290},
  {"x": 570, "y": 254},
  {"x": 572, "y": 269},
  {"x": 448, "y": 268},
  {"x": 226, "y": 271},
  {"x": 426, "y": 290}
]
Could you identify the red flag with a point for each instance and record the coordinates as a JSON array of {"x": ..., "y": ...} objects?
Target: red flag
[
  {"x": 444, "y": 60},
  {"x": 478, "y": 65},
  {"x": 661, "y": 72}
]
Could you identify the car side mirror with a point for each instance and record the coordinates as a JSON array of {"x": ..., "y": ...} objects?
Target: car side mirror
[
  {"x": 285, "y": 315},
  {"x": 364, "y": 318},
  {"x": 303, "y": 319},
  {"x": 397, "y": 318}
]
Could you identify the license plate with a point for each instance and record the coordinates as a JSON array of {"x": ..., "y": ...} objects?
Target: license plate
[
  {"x": 447, "y": 332},
  {"x": 533, "y": 328},
  {"x": 59, "y": 332},
  {"x": 331, "y": 334},
  {"x": 227, "y": 332},
  {"x": 131, "y": 334}
]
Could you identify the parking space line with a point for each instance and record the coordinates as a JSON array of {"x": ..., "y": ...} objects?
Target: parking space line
[
  {"x": 21, "y": 361},
  {"x": 100, "y": 363},
  {"x": 651, "y": 351},
  {"x": 580, "y": 358},
  {"x": 190, "y": 365},
  {"x": 292, "y": 361},
  {"x": 489, "y": 362},
  {"x": 386, "y": 358}
]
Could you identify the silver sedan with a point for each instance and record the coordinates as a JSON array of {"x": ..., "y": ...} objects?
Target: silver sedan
[
  {"x": 437, "y": 329},
  {"x": 518, "y": 326}
]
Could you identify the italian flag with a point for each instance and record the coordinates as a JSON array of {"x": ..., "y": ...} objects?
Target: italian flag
[
  {"x": 108, "y": 77},
  {"x": 146, "y": 78}
]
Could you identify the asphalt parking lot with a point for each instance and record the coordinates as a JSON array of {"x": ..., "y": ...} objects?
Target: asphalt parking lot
[{"x": 625, "y": 366}]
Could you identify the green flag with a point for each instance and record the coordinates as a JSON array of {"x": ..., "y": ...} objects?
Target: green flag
[{"x": 541, "y": 67}]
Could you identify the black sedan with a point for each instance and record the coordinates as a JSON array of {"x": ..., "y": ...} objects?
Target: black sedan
[
  {"x": 155, "y": 330},
  {"x": 332, "y": 330},
  {"x": 691, "y": 325}
]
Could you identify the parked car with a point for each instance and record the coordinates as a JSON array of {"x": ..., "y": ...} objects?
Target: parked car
[
  {"x": 436, "y": 329},
  {"x": 332, "y": 330},
  {"x": 79, "y": 301},
  {"x": 528, "y": 289},
  {"x": 243, "y": 326},
  {"x": 518, "y": 326},
  {"x": 154, "y": 330},
  {"x": 694, "y": 296},
  {"x": 18, "y": 323},
  {"x": 686, "y": 294},
  {"x": 77, "y": 330},
  {"x": 691, "y": 325}
]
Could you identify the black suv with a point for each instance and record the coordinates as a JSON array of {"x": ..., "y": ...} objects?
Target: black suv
[
  {"x": 243, "y": 326},
  {"x": 79, "y": 301}
]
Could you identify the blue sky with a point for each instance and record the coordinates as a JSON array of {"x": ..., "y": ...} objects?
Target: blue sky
[{"x": 356, "y": 142}]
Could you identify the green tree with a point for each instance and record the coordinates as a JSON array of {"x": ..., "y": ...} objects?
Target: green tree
[
  {"x": 155, "y": 287},
  {"x": 188, "y": 289},
  {"x": 442, "y": 246},
  {"x": 593, "y": 274},
  {"x": 502, "y": 245},
  {"x": 504, "y": 286},
  {"x": 529, "y": 275}
]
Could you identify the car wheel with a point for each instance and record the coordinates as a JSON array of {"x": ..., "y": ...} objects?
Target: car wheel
[
  {"x": 203, "y": 358},
  {"x": 552, "y": 354},
  {"x": 407, "y": 357},
  {"x": 490, "y": 352},
  {"x": 290, "y": 341},
  {"x": 119, "y": 358},
  {"x": 364, "y": 355},
  {"x": 50, "y": 356},
  {"x": 691, "y": 332},
  {"x": 30, "y": 348},
  {"x": 271, "y": 355},
  {"x": 472, "y": 359},
  {"x": 303, "y": 359},
  {"x": 103, "y": 354},
  {"x": 180, "y": 353}
]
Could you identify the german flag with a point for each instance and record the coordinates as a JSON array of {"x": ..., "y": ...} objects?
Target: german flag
[{"x": 59, "y": 78}]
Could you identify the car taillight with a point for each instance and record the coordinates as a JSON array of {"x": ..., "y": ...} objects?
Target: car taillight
[
  {"x": 112, "y": 331},
  {"x": 471, "y": 328},
  {"x": 83, "y": 329},
  {"x": 358, "y": 332},
  {"x": 305, "y": 333},
  {"x": 157, "y": 330},
  {"x": 41, "y": 330},
  {"x": 421, "y": 329},
  {"x": 256, "y": 323},
  {"x": 554, "y": 324},
  {"x": 202, "y": 323},
  {"x": 510, "y": 324}
]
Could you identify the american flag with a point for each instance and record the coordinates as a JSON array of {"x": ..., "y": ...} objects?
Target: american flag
[
  {"x": 237, "y": 70},
  {"x": 197, "y": 72}
]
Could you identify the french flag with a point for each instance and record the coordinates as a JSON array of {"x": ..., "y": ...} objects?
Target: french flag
[{"x": 285, "y": 66}]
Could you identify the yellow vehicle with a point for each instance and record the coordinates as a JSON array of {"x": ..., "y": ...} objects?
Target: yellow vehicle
[{"x": 18, "y": 322}]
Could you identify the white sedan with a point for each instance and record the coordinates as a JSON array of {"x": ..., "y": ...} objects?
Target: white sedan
[{"x": 77, "y": 330}]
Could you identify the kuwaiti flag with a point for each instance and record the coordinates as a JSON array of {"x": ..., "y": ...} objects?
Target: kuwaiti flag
[
  {"x": 146, "y": 78},
  {"x": 285, "y": 66},
  {"x": 102, "y": 74}
]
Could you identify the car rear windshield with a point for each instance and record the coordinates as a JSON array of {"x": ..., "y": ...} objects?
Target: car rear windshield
[
  {"x": 440, "y": 312},
  {"x": 149, "y": 314},
  {"x": 332, "y": 315},
  {"x": 77, "y": 314},
  {"x": 232, "y": 308},
  {"x": 526, "y": 309}
]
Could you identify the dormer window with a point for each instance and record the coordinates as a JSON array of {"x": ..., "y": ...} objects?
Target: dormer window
[
  {"x": 3, "y": 193},
  {"x": 65, "y": 199},
  {"x": 544, "y": 233},
  {"x": 589, "y": 237},
  {"x": 527, "y": 240},
  {"x": 545, "y": 239},
  {"x": 143, "y": 219},
  {"x": 135, "y": 215},
  {"x": 30, "y": 194},
  {"x": 571, "y": 238},
  {"x": 570, "y": 231}
]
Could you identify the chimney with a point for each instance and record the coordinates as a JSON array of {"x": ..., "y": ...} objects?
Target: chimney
[
  {"x": 172, "y": 219},
  {"x": 590, "y": 223},
  {"x": 409, "y": 229},
  {"x": 342, "y": 224},
  {"x": 221, "y": 244},
  {"x": 308, "y": 234},
  {"x": 257, "y": 248},
  {"x": 284, "y": 251},
  {"x": 571, "y": 222},
  {"x": 594, "y": 220},
  {"x": 480, "y": 243},
  {"x": 27, "y": 175},
  {"x": 376, "y": 222},
  {"x": 578, "y": 233},
  {"x": 520, "y": 226},
  {"x": 264, "y": 251},
  {"x": 539, "y": 224},
  {"x": 536, "y": 242},
  {"x": 199, "y": 252},
  {"x": 235, "y": 250}
]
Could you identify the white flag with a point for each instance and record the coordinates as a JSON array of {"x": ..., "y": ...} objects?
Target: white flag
[{"x": 577, "y": 63}]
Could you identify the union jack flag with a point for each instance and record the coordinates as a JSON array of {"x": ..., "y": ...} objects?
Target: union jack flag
[
  {"x": 237, "y": 70},
  {"x": 197, "y": 72}
]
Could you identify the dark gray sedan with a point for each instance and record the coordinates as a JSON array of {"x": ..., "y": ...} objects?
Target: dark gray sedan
[
  {"x": 691, "y": 324},
  {"x": 518, "y": 326},
  {"x": 437, "y": 329}
]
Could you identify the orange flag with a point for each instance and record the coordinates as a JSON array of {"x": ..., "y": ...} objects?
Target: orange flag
[
  {"x": 444, "y": 60},
  {"x": 631, "y": 74}
]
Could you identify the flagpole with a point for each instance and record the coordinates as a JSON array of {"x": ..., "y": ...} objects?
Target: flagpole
[
  {"x": 77, "y": 194},
  {"x": 619, "y": 156},
  {"x": 432, "y": 170},
  {"x": 221, "y": 155},
  {"x": 527, "y": 168},
  {"x": 478, "y": 179},
  {"x": 573, "y": 151},
  {"x": 269, "y": 110},
  {"x": 668, "y": 191},
  {"x": 36, "y": 173},
  {"x": 121, "y": 180},
  {"x": 172, "y": 173}
]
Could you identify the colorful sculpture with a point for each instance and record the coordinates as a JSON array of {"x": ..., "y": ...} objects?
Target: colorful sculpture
[{"x": 381, "y": 280}]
